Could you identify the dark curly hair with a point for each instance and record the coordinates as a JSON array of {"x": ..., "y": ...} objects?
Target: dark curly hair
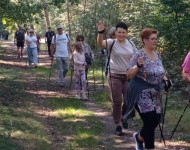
[
  {"x": 122, "y": 25},
  {"x": 80, "y": 38}
]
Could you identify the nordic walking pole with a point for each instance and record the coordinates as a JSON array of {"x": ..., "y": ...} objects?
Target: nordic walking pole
[
  {"x": 87, "y": 84},
  {"x": 93, "y": 75},
  {"x": 102, "y": 72},
  {"x": 71, "y": 77},
  {"x": 50, "y": 70},
  {"x": 88, "y": 88},
  {"x": 164, "y": 113},
  {"x": 179, "y": 119},
  {"x": 26, "y": 52}
]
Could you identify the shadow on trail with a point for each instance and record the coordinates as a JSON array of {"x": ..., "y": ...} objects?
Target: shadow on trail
[{"x": 38, "y": 114}]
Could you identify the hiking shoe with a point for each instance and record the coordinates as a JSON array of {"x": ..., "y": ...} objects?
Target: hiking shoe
[
  {"x": 139, "y": 144},
  {"x": 118, "y": 131},
  {"x": 84, "y": 96},
  {"x": 61, "y": 84},
  {"x": 78, "y": 96},
  {"x": 36, "y": 66},
  {"x": 18, "y": 57}
]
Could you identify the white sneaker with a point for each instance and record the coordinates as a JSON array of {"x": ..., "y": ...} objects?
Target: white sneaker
[
  {"x": 84, "y": 96},
  {"x": 78, "y": 96}
]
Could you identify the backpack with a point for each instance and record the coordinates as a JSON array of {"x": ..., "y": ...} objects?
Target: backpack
[
  {"x": 19, "y": 36},
  {"x": 88, "y": 57},
  {"x": 66, "y": 36}
]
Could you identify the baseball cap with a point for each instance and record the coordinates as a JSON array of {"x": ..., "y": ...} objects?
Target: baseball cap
[
  {"x": 59, "y": 26},
  {"x": 31, "y": 30}
]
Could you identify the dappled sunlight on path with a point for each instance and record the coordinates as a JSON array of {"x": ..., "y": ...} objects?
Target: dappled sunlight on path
[{"x": 39, "y": 88}]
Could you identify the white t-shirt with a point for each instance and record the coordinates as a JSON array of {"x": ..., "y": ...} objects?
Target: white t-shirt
[
  {"x": 61, "y": 45},
  {"x": 32, "y": 41},
  {"x": 120, "y": 56}
]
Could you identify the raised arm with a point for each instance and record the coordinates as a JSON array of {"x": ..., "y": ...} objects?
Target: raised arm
[{"x": 101, "y": 29}]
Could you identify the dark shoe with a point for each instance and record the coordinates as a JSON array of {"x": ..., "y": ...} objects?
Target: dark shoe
[
  {"x": 35, "y": 66},
  {"x": 18, "y": 57},
  {"x": 61, "y": 85},
  {"x": 139, "y": 144},
  {"x": 118, "y": 131},
  {"x": 125, "y": 124}
]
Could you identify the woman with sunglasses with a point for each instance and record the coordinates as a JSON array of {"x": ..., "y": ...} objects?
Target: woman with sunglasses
[{"x": 31, "y": 42}]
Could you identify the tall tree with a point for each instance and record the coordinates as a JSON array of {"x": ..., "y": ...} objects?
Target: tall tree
[{"x": 46, "y": 13}]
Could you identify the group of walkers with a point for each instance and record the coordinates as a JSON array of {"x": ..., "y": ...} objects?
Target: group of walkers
[
  {"x": 81, "y": 57},
  {"x": 135, "y": 77},
  {"x": 30, "y": 41},
  {"x": 60, "y": 48},
  {"x": 135, "y": 80}
]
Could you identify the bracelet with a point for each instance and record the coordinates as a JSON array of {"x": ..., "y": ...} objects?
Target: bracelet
[
  {"x": 101, "y": 32},
  {"x": 139, "y": 66}
]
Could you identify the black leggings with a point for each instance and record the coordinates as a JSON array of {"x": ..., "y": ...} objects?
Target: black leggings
[{"x": 150, "y": 122}]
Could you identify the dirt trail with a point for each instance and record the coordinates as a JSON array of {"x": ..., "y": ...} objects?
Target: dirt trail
[{"x": 110, "y": 141}]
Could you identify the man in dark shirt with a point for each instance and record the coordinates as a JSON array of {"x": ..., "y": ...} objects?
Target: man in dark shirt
[
  {"x": 48, "y": 37},
  {"x": 19, "y": 39}
]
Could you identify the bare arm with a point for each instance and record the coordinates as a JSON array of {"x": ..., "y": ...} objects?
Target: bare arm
[
  {"x": 186, "y": 76},
  {"x": 131, "y": 73},
  {"x": 27, "y": 43},
  {"x": 100, "y": 40},
  {"x": 69, "y": 47},
  {"x": 52, "y": 49}
]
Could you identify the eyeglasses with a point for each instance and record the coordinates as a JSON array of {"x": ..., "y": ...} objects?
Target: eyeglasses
[{"x": 153, "y": 39}]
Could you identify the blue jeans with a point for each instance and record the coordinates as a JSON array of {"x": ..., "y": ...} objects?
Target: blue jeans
[
  {"x": 32, "y": 54},
  {"x": 63, "y": 67}
]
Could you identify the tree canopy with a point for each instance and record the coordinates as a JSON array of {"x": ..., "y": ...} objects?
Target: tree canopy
[{"x": 170, "y": 18}]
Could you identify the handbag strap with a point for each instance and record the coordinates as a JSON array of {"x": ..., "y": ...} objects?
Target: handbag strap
[{"x": 109, "y": 54}]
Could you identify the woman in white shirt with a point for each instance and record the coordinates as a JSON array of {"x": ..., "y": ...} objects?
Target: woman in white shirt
[{"x": 32, "y": 48}]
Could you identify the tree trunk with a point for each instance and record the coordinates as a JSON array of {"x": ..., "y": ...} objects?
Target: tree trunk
[
  {"x": 84, "y": 14},
  {"x": 46, "y": 13},
  {"x": 68, "y": 17}
]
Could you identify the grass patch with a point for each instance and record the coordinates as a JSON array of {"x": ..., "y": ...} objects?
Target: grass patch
[
  {"x": 102, "y": 98},
  {"x": 22, "y": 129},
  {"x": 80, "y": 124}
]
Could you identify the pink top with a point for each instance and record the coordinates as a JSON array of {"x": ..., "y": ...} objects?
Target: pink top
[
  {"x": 79, "y": 61},
  {"x": 186, "y": 64}
]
